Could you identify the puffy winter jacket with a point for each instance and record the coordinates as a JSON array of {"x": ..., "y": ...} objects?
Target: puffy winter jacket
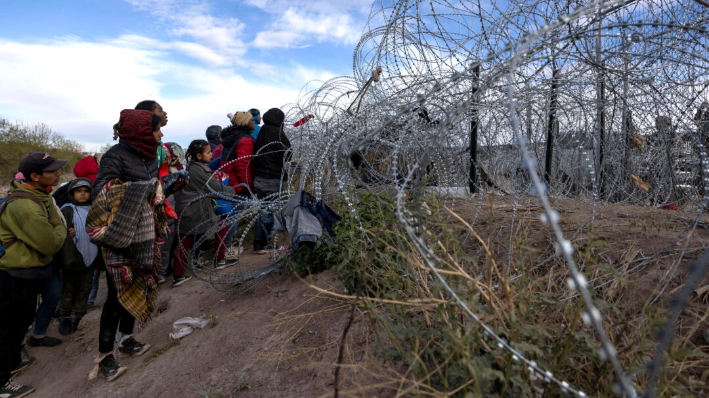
[
  {"x": 271, "y": 146},
  {"x": 39, "y": 230},
  {"x": 86, "y": 167},
  {"x": 239, "y": 146},
  {"x": 125, "y": 162},
  {"x": 198, "y": 217}
]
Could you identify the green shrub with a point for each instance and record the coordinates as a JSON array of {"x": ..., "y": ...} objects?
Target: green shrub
[
  {"x": 371, "y": 250},
  {"x": 17, "y": 139}
]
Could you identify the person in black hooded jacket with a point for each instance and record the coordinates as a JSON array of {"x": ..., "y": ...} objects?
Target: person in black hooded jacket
[
  {"x": 271, "y": 152},
  {"x": 271, "y": 147}
]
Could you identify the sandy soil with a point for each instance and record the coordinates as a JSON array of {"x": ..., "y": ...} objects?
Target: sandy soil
[{"x": 257, "y": 347}]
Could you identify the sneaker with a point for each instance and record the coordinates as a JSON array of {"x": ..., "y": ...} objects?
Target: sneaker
[
  {"x": 24, "y": 364},
  {"x": 161, "y": 279},
  {"x": 178, "y": 280},
  {"x": 221, "y": 264},
  {"x": 264, "y": 251},
  {"x": 131, "y": 346},
  {"x": 15, "y": 390},
  {"x": 65, "y": 326},
  {"x": 75, "y": 324},
  {"x": 24, "y": 356},
  {"x": 234, "y": 252},
  {"x": 45, "y": 341},
  {"x": 111, "y": 368}
]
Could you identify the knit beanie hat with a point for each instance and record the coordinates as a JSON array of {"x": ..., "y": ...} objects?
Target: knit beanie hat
[{"x": 240, "y": 118}]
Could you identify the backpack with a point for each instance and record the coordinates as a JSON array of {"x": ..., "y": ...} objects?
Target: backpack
[{"x": 13, "y": 196}]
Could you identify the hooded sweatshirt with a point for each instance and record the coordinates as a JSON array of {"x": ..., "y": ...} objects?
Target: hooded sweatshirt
[
  {"x": 78, "y": 252},
  {"x": 213, "y": 135},
  {"x": 39, "y": 230},
  {"x": 271, "y": 146},
  {"x": 87, "y": 167}
]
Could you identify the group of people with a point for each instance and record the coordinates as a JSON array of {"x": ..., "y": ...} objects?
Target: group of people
[{"x": 121, "y": 215}]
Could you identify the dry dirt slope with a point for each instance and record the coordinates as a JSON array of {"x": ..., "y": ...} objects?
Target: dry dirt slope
[{"x": 250, "y": 352}]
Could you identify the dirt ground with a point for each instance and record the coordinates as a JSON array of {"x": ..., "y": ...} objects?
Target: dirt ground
[
  {"x": 281, "y": 340},
  {"x": 249, "y": 352}
]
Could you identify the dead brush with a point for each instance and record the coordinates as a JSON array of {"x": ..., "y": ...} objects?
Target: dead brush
[{"x": 431, "y": 348}]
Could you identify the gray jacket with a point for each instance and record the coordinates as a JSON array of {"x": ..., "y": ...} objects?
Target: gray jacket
[
  {"x": 197, "y": 215},
  {"x": 298, "y": 221}
]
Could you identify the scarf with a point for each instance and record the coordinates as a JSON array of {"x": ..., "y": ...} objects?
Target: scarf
[
  {"x": 136, "y": 129},
  {"x": 161, "y": 154},
  {"x": 88, "y": 250}
]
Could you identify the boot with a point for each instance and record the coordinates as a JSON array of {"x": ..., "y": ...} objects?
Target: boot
[{"x": 65, "y": 326}]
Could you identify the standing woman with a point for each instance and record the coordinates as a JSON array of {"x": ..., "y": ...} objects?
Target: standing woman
[{"x": 133, "y": 159}]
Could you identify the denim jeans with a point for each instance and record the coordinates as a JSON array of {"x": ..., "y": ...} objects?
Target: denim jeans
[
  {"x": 233, "y": 227},
  {"x": 263, "y": 187},
  {"x": 168, "y": 248},
  {"x": 50, "y": 291},
  {"x": 94, "y": 288}
]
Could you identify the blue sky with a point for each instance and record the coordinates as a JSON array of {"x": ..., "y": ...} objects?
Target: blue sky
[{"x": 75, "y": 65}]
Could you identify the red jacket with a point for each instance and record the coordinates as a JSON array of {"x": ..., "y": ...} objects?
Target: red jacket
[
  {"x": 87, "y": 167},
  {"x": 217, "y": 151},
  {"x": 241, "y": 171}
]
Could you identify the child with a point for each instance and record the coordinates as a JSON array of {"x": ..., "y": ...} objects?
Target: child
[
  {"x": 197, "y": 215},
  {"x": 77, "y": 259}
]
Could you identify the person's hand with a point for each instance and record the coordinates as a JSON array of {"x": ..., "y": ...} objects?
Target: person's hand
[{"x": 72, "y": 232}]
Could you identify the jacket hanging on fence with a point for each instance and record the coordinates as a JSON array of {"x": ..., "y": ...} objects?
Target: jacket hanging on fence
[{"x": 300, "y": 217}]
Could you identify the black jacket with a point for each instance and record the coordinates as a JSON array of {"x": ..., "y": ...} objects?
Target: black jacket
[
  {"x": 272, "y": 144},
  {"x": 125, "y": 162}
]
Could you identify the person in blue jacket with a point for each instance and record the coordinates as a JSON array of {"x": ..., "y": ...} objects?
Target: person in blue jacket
[{"x": 257, "y": 121}]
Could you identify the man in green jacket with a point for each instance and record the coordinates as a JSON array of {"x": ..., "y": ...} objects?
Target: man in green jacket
[{"x": 31, "y": 232}]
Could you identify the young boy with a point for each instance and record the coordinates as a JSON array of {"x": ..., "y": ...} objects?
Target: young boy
[{"x": 78, "y": 258}]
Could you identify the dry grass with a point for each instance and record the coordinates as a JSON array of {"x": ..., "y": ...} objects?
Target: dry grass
[{"x": 509, "y": 275}]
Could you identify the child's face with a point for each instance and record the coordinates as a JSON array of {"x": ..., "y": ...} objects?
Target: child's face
[
  {"x": 82, "y": 195},
  {"x": 206, "y": 155}
]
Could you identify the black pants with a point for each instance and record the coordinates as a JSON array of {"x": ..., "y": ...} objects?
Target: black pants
[
  {"x": 76, "y": 286},
  {"x": 112, "y": 316},
  {"x": 18, "y": 301}
]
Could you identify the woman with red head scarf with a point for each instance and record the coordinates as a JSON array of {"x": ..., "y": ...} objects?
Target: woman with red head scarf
[{"x": 131, "y": 160}]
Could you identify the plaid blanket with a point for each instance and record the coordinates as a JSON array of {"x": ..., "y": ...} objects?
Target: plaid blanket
[{"x": 129, "y": 222}]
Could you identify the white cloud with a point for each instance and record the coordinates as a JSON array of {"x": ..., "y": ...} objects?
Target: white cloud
[
  {"x": 300, "y": 23},
  {"x": 212, "y": 32},
  {"x": 78, "y": 88},
  {"x": 277, "y": 39},
  {"x": 209, "y": 39}
]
